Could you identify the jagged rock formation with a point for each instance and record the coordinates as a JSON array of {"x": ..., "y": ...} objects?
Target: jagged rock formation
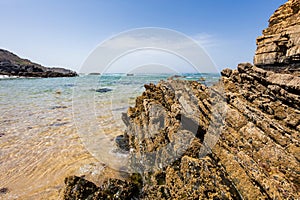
[
  {"x": 262, "y": 133},
  {"x": 165, "y": 123},
  {"x": 12, "y": 65},
  {"x": 256, "y": 155},
  {"x": 279, "y": 47}
]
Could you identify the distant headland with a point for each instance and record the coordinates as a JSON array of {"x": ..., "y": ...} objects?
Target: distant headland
[{"x": 13, "y": 65}]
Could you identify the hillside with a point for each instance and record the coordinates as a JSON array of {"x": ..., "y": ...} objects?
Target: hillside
[{"x": 13, "y": 65}]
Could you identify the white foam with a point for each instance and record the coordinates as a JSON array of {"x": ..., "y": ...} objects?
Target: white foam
[{"x": 7, "y": 77}]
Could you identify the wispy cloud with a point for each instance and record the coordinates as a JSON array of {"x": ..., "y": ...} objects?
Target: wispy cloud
[{"x": 205, "y": 40}]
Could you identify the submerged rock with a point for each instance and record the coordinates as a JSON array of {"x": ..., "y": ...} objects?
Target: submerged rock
[
  {"x": 122, "y": 142},
  {"x": 103, "y": 90}
]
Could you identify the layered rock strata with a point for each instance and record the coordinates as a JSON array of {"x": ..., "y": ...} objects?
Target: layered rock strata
[
  {"x": 279, "y": 46},
  {"x": 256, "y": 156}
]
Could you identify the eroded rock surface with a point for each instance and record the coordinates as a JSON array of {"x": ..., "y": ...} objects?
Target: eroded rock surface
[
  {"x": 279, "y": 46},
  {"x": 259, "y": 147},
  {"x": 256, "y": 156}
]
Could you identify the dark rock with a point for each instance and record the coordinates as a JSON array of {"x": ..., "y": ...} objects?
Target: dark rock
[
  {"x": 78, "y": 188},
  {"x": 103, "y": 90},
  {"x": 95, "y": 73},
  {"x": 242, "y": 67},
  {"x": 226, "y": 72},
  {"x": 57, "y": 107},
  {"x": 59, "y": 124},
  {"x": 4, "y": 190},
  {"x": 118, "y": 190},
  {"x": 125, "y": 119},
  {"x": 176, "y": 77},
  {"x": 122, "y": 142},
  {"x": 69, "y": 85}
]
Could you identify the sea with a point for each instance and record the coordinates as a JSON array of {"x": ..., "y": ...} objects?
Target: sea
[{"x": 51, "y": 128}]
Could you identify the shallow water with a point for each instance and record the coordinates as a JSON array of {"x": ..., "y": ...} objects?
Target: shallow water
[{"x": 42, "y": 124}]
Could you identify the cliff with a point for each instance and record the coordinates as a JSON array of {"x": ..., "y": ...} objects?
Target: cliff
[
  {"x": 12, "y": 65},
  {"x": 279, "y": 46}
]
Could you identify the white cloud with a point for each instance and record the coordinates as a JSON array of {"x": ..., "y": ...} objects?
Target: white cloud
[{"x": 205, "y": 40}]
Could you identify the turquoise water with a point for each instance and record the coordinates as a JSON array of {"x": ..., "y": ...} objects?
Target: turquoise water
[{"x": 41, "y": 121}]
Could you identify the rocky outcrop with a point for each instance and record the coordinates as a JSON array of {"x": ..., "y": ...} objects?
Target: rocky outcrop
[
  {"x": 279, "y": 47},
  {"x": 12, "y": 65},
  {"x": 261, "y": 133},
  {"x": 256, "y": 155}
]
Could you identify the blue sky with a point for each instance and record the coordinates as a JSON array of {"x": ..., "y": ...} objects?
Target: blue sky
[{"x": 63, "y": 33}]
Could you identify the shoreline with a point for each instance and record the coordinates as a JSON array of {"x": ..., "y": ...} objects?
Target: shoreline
[{"x": 15, "y": 77}]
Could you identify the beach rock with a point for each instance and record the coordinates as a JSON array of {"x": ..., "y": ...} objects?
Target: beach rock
[
  {"x": 122, "y": 142},
  {"x": 279, "y": 46},
  {"x": 4, "y": 190},
  {"x": 78, "y": 188},
  {"x": 12, "y": 65},
  {"x": 226, "y": 72}
]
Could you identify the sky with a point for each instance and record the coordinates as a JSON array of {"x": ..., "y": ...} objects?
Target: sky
[{"x": 64, "y": 33}]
